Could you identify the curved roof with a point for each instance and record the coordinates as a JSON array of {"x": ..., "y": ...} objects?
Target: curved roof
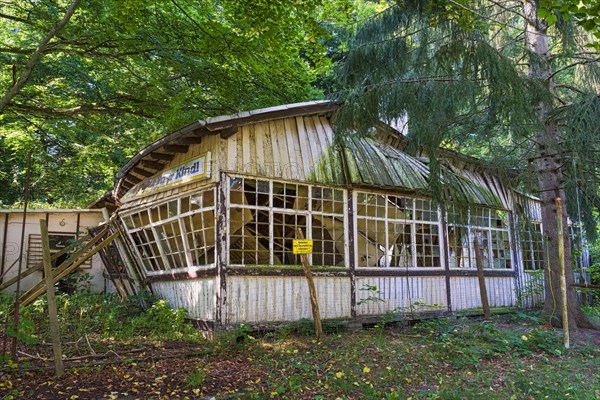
[
  {"x": 347, "y": 161},
  {"x": 157, "y": 155}
]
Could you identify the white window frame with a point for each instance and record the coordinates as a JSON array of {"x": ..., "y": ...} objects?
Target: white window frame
[
  {"x": 471, "y": 229},
  {"x": 407, "y": 221},
  {"x": 153, "y": 225},
  {"x": 272, "y": 210}
]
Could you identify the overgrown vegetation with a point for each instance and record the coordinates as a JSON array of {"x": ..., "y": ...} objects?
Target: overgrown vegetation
[
  {"x": 84, "y": 314},
  {"x": 512, "y": 356}
]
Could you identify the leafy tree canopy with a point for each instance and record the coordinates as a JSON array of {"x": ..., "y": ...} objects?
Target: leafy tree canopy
[
  {"x": 585, "y": 12},
  {"x": 118, "y": 74}
]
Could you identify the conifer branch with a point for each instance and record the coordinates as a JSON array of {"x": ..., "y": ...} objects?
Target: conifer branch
[
  {"x": 583, "y": 62},
  {"x": 424, "y": 79},
  {"x": 570, "y": 87},
  {"x": 481, "y": 15},
  {"x": 512, "y": 10}
]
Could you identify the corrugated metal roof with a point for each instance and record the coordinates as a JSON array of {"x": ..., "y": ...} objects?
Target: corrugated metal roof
[
  {"x": 372, "y": 163},
  {"x": 461, "y": 190}
]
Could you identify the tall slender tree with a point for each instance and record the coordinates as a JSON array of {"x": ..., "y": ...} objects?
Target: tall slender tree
[{"x": 487, "y": 72}]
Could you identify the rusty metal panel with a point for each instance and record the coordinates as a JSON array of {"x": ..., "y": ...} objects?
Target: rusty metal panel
[
  {"x": 284, "y": 298},
  {"x": 406, "y": 294},
  {"x": 195, "y": 295}
]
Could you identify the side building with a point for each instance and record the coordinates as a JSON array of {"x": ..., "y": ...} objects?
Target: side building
[{"x": 65, "y": 227}]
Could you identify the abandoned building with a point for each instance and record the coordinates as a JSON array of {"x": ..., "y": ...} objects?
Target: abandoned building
[{"x": 207, "y": 217}]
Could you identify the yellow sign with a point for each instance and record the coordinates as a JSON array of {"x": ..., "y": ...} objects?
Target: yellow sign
[{"x": 303, "y": 246}]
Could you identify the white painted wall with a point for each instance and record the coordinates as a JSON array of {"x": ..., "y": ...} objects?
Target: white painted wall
[
  {"x": 284, "y": 298},
  {"x": 197, "y": 296},
  {"x": 400, "y": 293},
  {"x": 59, "y": 221}
]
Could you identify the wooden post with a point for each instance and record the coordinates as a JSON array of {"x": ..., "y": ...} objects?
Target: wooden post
[
  {"x": 563, "y": 280},
  {"x": 52, "y": 317},
  {"x": 482, "y": 288},
  {"x": 446, "y": 255},
  {"x": 20, "y": 268},
  {"x": 314, "y": 301},
  {"x": 350, "y": 232}
]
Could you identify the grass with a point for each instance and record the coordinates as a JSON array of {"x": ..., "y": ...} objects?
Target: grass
[{"x": 511, "y": 356}]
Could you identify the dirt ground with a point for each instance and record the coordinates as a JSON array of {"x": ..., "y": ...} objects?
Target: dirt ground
[
  {"x": 129, "y": 371},
  {"x": 125, "y": 372}
]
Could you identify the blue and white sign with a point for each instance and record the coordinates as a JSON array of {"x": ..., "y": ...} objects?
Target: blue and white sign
[{"x": 182, "y": 173}]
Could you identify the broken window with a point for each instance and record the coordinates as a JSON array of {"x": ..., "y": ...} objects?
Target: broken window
[
  {"x": 177, "y": 233},
  {"x": 396, "y": 231},
  {"x": 264, "y": 218},
  {"x": 532, "y": 245},
  {"x": 480, "y": 227}
]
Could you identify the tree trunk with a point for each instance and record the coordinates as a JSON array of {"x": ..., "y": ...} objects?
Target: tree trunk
[{"x": 550, "y": 180}]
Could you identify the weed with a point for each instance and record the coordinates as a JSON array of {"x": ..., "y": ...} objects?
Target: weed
[
  {"x": 242, "y": 334},
  {"x": 25, "y": 333},
  {"x": 195, "y": 378},
  {"x": 303, "y": 327},
  {"x": 533, "y": 289},
  {"x": 335, "y": 326},
  {"x": 161, "y": 321},
  {"x": 373, "y": 295}
]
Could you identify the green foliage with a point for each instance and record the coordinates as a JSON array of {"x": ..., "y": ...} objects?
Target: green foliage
[
  {"x": 585, "y": 12},
  {"x": 372, "y": 295},
  {"x": 160, "y": 321},
  {"x": 463, "y": 60},
  {"x": 123, "y": 73},
  {"x": 303, "y": 327},
  {"x": 83, "y": 313},
  {"x": 594, "y": 271},
  {"x": 242, "y": 333},
  {"x": 533, "y": 289},
  {"x": 426, "y": 60},
  {"x": 468, "y": 345},
  {"x": 507, "y": 357},
  {"x": 195, "y": 378}
]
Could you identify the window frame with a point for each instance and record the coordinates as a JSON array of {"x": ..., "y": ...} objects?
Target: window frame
[
  {"x": 155, "y": 224},
  {"x": 472, "y": 228},
  {"x": 307, "y": 213},
  {"x": 412, "y": 221}
]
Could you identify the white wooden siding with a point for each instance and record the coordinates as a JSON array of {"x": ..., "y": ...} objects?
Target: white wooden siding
[
  {"x": 465, "y": 292},
  {"x": 285, "y": 148},
  {"x": 284, "y": 298},
  {"x": 401, "y": 293},
  {"x": 195, "y": 295}
]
